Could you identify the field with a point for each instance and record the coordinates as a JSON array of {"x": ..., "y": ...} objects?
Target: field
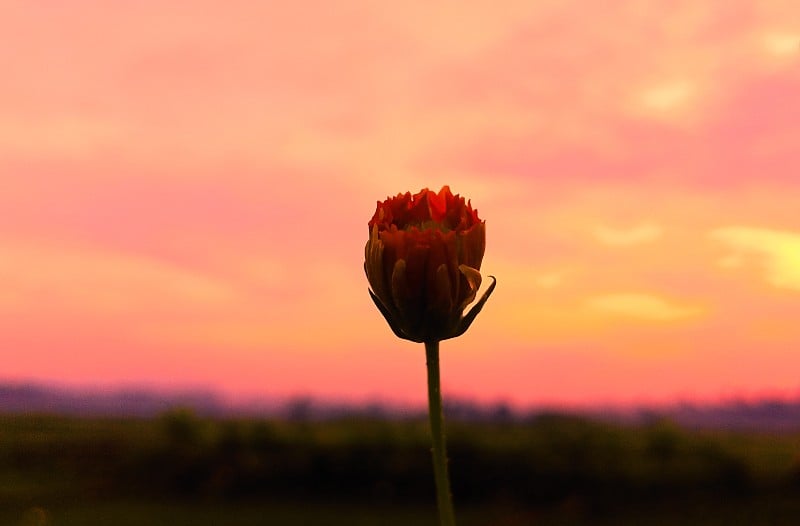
[{"x": 179, "y": 469}]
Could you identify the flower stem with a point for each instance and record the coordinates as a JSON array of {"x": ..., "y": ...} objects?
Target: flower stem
[{"x": 446, "y": 516}]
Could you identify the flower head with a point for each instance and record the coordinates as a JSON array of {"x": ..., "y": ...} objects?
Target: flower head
[{"x": 422, "y": 262}]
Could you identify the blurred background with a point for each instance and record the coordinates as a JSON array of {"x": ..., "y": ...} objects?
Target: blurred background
[{"x": 184, "y": 197}]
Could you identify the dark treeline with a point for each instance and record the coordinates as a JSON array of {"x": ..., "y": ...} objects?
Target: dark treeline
[
  {"x": 551, "y": 460},
  {"x": 753, "y": 415}
]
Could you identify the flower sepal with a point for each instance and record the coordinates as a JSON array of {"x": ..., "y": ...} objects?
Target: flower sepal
[{"x": 460, "y": 328}]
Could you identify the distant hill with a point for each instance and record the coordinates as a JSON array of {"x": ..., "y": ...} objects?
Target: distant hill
[
  {"x": 769, "y": 415},
  {"x": 32, "y": 398}
]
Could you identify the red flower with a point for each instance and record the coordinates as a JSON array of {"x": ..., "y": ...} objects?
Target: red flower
[{"x": 422, "y": 261}]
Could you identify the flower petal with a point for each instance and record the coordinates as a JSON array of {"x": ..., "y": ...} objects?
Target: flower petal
[
  {"x": 442, "y": 293},
  {"x": 390, "y": 318},
  {"x": 373, "y": 266},
  {"x": 472, "y": 245},
  {"x": 467, "y": 320},
  {"x": 473, "y": 282},
  {"x": 400, "y": 290}
]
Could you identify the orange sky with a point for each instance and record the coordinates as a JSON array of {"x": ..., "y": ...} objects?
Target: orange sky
[{"x": 185, "y": 188}]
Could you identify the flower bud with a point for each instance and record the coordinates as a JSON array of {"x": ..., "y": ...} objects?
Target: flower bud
[{"x": 423, "y": 261}]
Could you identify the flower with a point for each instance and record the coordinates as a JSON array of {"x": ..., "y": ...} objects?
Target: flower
[{"x": 422, "y": 262}]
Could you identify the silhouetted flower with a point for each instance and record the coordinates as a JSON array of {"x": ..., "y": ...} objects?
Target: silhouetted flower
[{"x": 422, "y": 261}]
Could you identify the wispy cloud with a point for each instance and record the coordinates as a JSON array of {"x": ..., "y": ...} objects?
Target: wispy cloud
[
  {"x": 635, "y": 235},
  {"x": 781, "y": 43},
  {"x": 550, "y": 280},
  {"x": 640, "y": 306},
  {"x": 81, "y": 279},
  {"x": 779, "y": 250},
  {"x": 666, "y": 97}
]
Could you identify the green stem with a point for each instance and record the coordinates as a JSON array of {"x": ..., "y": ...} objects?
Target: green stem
[{"x": 446, "y": 516}]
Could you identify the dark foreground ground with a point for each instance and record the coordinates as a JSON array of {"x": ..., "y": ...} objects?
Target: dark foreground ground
[{"x": 553, "y": 470}]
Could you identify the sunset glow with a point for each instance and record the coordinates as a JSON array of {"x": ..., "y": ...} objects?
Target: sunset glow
[{"x": 185, "y": 191}]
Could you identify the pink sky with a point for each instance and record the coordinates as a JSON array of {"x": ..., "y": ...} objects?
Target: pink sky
[{"x": 185, "y": 189}]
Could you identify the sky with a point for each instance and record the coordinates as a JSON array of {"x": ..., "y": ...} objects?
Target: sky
[{"x": 185, "y": 190}]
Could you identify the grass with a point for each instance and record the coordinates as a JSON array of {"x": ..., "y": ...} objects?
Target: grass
[
  {"x": 154, "y": 513},
  {"x": 555, "y": 470}
]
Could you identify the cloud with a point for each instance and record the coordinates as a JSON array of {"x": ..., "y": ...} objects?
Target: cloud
[
  {"x": 781, "y": 44},
  {"x": 640, "y": 306},
  {"x": 550, "y": 280},
  {"x": 779, "y": 250},
  {"x": 667, "y": 96},
  {"x": 641, "y": 233},
  {"x": 108, "y": 282},
  {"x": 72, "y": 136},
  {"x": 731, "y": 261}
]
